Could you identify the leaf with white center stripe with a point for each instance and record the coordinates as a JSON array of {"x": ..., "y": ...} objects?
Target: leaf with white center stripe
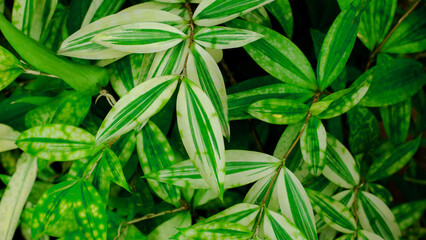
[
  {"x": 101, "y": 8},
  {"x": 215, "y": 12},
  {"x": 217, "y": 231},
  {"x": 278, "y": 227},
  {"x": 112, "y": 166},
  {"x": 334, "y": 213},
  {"x": 407, "y": 214},
  {"x": 146, "y": 37},
  {"x": 136, "y": 107},
  {"x": 203, "y": 70},
  {"x": 200, "y": 130},
  {"x": 257, "y": 193},
  {"x": 155, "y": 154},
  {"x": 56, "y": 142},
  {"x": 242, "y": 213},
  {"x": 80, "y": 45},
  {"x": 340, "y": 166},
  {"x": 278, "y": 111},
  {"x": 295, "y": 204},
  {"x": 313, "y": 144},
  {"x": 223, "y": 37},
  {"x": 375, "y": 216}
]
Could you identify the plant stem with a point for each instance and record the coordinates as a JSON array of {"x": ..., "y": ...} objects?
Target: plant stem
[
  {"x": 355, "y": 206},
  {"x": 32, "y": 72},
  {"x": 377, "y": 50},
  {"x": 191, "y": 37}
]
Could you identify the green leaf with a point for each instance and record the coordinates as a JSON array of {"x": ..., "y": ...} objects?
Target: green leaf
[
  {"x": 8, "y": 137},
  {"x": 56, "y": 142},
  {"x": 101, "y": 8},
  {"x": 278, "y": 56},
  {"x": 281, "y": 10},
  {"x": 217, "y": 230},
  {"x": 100, "y": 177},
  {"x": 340, "y": 167},
  {"x": 364, "y": 129},
  {"x": 375, "y": 216},
  {"x": 407, "y": 214},
  {"x": 16, "y": 194},
  {"x": 155, "y": 154},
  {"x": 257, "y": 193},
  {"x": 259, "y": 16},
  {"x": 295, "y": 204},
  {"x": 381, "y": 192},
  {"x": 390, "y": 162},
  {"x": 9, "y": 68},
  {"x": 286, "y": 140},
  {"x": 334, "y": 213},
  {"x": 396, "y": 119},
  {"x": 278, "y": 227},
  {"x": 278, "y": 111},
  {"x": 145, "y": 37},
  {"x": 203, "y": 70},
  {"x": 241, "y": 213},
  {"x": 170, "y": 227},
  {"x": 410, "y": 36},
  {"x": 112, "y": 166},
  {"x": 337, "y": 45},
  {"x": 394, "y": 82},
  {"x": 313, "y": 144},
  {"x": 136, "y": 107},
  {"x": 214, "y": 12},
  {"x": 366, "y": 235},
  {"x": 223, "y": 37}
]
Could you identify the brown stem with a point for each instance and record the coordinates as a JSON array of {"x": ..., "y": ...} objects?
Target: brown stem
[
  {"x": 191, "y": 37},
  {"x": 377, "y": 50}
]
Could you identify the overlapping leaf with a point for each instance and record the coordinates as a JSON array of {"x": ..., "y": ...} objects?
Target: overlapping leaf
[
  {"x": 8, "y": 137},
  {"x": 278, "y": 111},
  {"x": 277, "y": 227},
  {"x": 101, "y": 8},
  {"x": 9, "y": 68},
  {"x": 216, "y": 230},
  {"x": 224, "y": 37},
  {"x": 112, "y": 166},
  {"x": 407, "y": 214},
  {"x": 364, "y": 129},
  {"x": 281, "y": 9},
  {"x": 396, "y": 119},
  {"x": 313, "y": 144},
  {"x": 170, "y": 227},
  {"x": 257, "y": 193}
]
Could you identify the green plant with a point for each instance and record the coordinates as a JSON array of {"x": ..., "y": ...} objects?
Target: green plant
[{"x": 85, "y": 170}]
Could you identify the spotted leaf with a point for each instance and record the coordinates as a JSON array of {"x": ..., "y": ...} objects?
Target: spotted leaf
[
  {"x": 278, "y": 111},
  {"x": 313, "y": 144},
  {"x": 112, "y": 166},
  {"x": 9, "y": 68},
  {"x": 8, "y": 137},
  {"x": 216, "y": 230}
]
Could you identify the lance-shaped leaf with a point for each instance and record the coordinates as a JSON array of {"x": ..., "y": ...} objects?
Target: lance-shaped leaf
[
  {"x": 278, "y": 56},
  {"x": 295, "y": 204},
  {"x": 340, "y": 167},
  {"x": 346, "y": 197},
  {"x": 112, "y": 166},
  {"x": 242, "y": 213},
  {"x": 136, "y": 107},
  {"x": 155, "y": 154},
  {"x": 334, "y": 213},
  {"x": 257, "y": 193},
  {"x": 278, "y": 227},
  {"x": 364, "y": 129},
  {"x": 259, "y": 16},
  {"x": 366, "y": 235},
  {"x": 80, "y": 45},
  {"x": 390, "y": 162},
  {"x": 313, "y": 144},
  {"x": 286, "y": 140},
  {"x": 407, "y": 214},
  {"x": 337, "y": 45},
  {"x": 224, "y": 37},
  {"x": 215, "y": 12},
  {"x": 396, "y": 119},
  {"x": 8, "y": 137},
  {"x": 375, "y": 216},
  {"x": 217, "y": 230},
  {"x": 9, "y": 68},
  {"x": 100, "y": 178},
  {"x": 278, "y": 111},
  {"x": 199, "y": 127},
  {"x": 381, "y": 192},
  {"x": 281, "y": 9},
  {"x": 170, "y": 227},
  {"x": 56, "y": 142},
  {"x": 16, "y": 194},
  {"x": 101, "y": 8}
]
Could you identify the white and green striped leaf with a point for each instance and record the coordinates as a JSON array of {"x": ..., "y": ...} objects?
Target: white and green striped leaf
[
  {"x": 203, "y": 70},
  {"x": 56, "y": 142},
  {"x": 155, "y": 154},
  {"x": 8, "y": 138},
  {"x": 295, "y": 204},
  {"x": 375, "y": 216},
  {"x": 340, "y": 166},
  {"x": 334, "y": 213},
  {"x": 223, "y": 37},
  {"x": 9, "y": 68},
  {"x": 215, "y": 12},
  {"x": 136, "y": 107},
  {"x": 363, "y": 129},
  {"x": 170, "y": 227},
  {"x": 259, "y": 16},
  {"x": 242, "y": 213},
  {"x": 278, "y": 111},
  {"x": 281, "y": 10},
  {"x": 381, "y": 192},
  {"x": 396, "y": 119},
  {"x": 101, "y": 8},
  {"x": 313, "y": 144},
  {"x": 366, "y": 235},
  {"x": 80, "y": 45},
  {"x": 407, "y": 214},
  {"x": 112, "y": 166},
  {"x": 278, "y": 227},
  {"x": 390, "y": 162},
  {"x": 346, "y": 197},
  {"x": 216, "y": 230},
  {"x": 16, "y": 194},
  {"x": 257, "y": 193},
  {"x": 200, "y": 130}
]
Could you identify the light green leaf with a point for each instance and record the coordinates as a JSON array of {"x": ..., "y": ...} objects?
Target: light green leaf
[
  {"x": 223, "y": 37},
  {"x": 407, "y": 214},
  {"x": 101, "y": 177},
  {"x": 286, "y": 140},
  {"x": 364, "y": 129},
  {"x": 155, "y": 154},
  {"x": 334, "y": 213},
  {"x": 337, "y": 45},
  {"x": 396, "y": 119},
  {"x": 216, "y": 230},
  {"x": 279, "y": 56},
  {"x": 101, "y": 8},
  {"x": 281, "y": 10},
  {"x": 313, "y": 144},
  {"x": 259, "y": 16},
  {"x": 215, "y": 12},
  {"x": 242, "y": 213},
  {"x": 257, "y": 193},
  {"x": 112, "y": 166},
  {"x": 340, "y": 167},
  {"x": 375, "y": 216},
  {"x": 278, "y": 227},
  {"x": 8, "y": 137},
  {"x": 278, "y": 111},
  {"x": 16, "y": 194},
  {"x": 295, "y": 204},
  {"x": 56, "y": 142},
  {"x": 381, "y": 192},
  {"x": 346, "y": 197},
  {"x": 366, "y": 235},
  {"x": 203, "y": 70},
  {"x": 390, "y": 162},
  {"x": 170, "y": 227},
  {"x": 9, "y": 68},
  {"x": 136, "y": 107}
]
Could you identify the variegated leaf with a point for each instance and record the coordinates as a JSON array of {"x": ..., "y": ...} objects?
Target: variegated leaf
[
  {"x": 313, "y": 144},
  {"x": 101, "y": 8},
  {"x": 259, "y": 16},
  {"x": 136, "y": 107},
  {"x": 8, "y": 137},
  {"x": 242, "y": 213},
  {"x": 9, "y": 68},
  {"x": 407, "y": 214},
  {"x": 281, "y": 9},
  {"x": 396, "y": 119},
  {"x": 340, "y": 167},
  {"x": 223, "y": 37},
  {"x": 278, "y": 227},
  {"x": 257, "y": 193},
  {"x": 112, "y": 166},
  {"x": 346, "y": 197},
  {"x": 287, "y": 139},
  {"x": 203, "y": 70},
  {"x": 56, "y": 142},
  {"x": 200, "y": 130},
  {"x": 155, "y": 154},
  {"x": 216, "y": 230},
  {"x": 278, "y": 111},
  {"x": 381, "y": 192},
  {"x": 170, "y": 227},
  {"x": 366, "y": 235}
]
